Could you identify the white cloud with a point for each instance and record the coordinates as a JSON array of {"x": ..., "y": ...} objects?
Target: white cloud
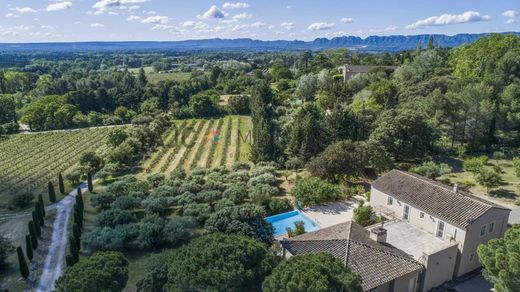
[
  {"x": 162, "y": 27},
  {"x": 97, "y": 25},
  {"x": 287, "y": 25},
  {"x": 157, "y": 19},
  {"x": 320, "y": 26},
  {"x": 257, "y": 24},
  {"x": 133, "y": 17},
  {"x": 391, "y": 28},
  {"x": 47, "y": 27},
  {"x": 236, "y": 5},
  {"x": 213, "y": 13},
  {"x": 11, "y": 15},
  {"x": 24, "y": 10},
  {"x": 347, "y": 20},
  {"x": 57, "y": 6},
  {"x": 243, "y": 16},
  {"x": 445, "y": 19},
  {"x": 510, "y": 13},
  {"x": 289, "y": 6},
  {"x": 106, "y": 4},
  {"x": 511, "y": 21},
  {"x": 188, "y": 24}
]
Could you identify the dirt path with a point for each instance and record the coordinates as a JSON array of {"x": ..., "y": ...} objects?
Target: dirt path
[{"x": 55, "y": 258}]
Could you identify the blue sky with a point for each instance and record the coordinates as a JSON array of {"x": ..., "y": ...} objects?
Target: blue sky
[{"x": 120, "y": 20}]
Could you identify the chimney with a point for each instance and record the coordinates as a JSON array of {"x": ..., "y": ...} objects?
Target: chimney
[
  {"x": 455, "y": 188},
  {"x": 378, "y": 234}
]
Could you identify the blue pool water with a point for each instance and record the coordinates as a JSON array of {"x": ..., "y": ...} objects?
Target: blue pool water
[{"x": 282, "y": 221}]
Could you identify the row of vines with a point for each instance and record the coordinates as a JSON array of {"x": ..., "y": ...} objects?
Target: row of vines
[{"x": 202, "y": 143}]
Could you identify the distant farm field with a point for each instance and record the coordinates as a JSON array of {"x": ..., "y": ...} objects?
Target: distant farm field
[
  {"x": 202, "y": 143},
  {"x": 29, "y": 161},
  {"x": 154, "y": 77}
]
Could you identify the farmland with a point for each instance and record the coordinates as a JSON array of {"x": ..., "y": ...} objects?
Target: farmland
[
  {"x": 29, "y": 161},
  {"x": 202, "y": 143}
]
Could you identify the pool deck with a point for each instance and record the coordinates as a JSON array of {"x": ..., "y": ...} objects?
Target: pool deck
[{"x": 333, "y": 213}]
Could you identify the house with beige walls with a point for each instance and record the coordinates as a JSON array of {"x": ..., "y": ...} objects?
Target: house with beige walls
[{"x": 443, "y": 213}]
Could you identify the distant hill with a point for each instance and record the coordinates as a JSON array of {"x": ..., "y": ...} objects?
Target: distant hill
[{"x": 369, "y": 44}]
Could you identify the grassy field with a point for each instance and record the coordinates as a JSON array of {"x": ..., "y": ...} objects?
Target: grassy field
[
  {"x": 507, "y": 194},
  {"x": 29, "y": 161},
  {"x": 202, "y": 143},
  {"x": 154, "y": 77}
]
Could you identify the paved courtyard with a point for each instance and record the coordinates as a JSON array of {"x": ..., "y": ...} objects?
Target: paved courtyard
[{"x": 333, "y": 213}]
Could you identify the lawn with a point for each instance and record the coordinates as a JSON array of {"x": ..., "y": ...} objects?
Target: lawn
[{"x": 507, "y": 194}]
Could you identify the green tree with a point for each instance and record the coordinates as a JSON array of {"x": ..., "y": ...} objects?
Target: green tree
[
  {"x": 36, "y": 221},
  {"x": 405, "y": 134},
  {"x": 52, "y": 193},
  {"x": 343, "y": 158},
  {"x": 38, "y": 213},
  {"x": 516, "y": 166},
  {"x": 299, "y": 229},
  {"x": 61, "y": 184},
  {"x": 431, "y": 169},
  {"x": 314, "y": 191},
  {"x": 305, "y": 132},
  {"x": 219, "y": 262},
  {"x": 28, "y": 247},
  {"x": 475, "y": 164},
  {"x": 263, "y": 147},
  {"x": 313, "y": 272},
  {"x": 69, "y": 260},
  {"x": 73, "y": 245},
  {"x": 245, "y": 220},
  {"x": 363, "y": 215},
  {"x": 488, "y": 178},
  {"x": 500, "y": 259},
  {"x": 22, "y": 263},
  {"x": 42, "y": 206},
  {"x": 102, "y": 271},
  {"x": 90, "y": 163}
]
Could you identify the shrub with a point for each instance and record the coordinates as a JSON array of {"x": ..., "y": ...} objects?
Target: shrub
[
  {"x": 313, "y": 191},
  {"x": 21, "y": 200},
  {"x": 299, "y": 229},
  {"x": 238, "y": 104},
  {"x": 431, "y": 169},
  {"x": 102, "y": 200},
  {"x": 156, "y": 179},
  {"x": 155, "y": 274},
  {"x": 155, "y": 205},
  {"x": 277, "y": 206},
  {"x": 516, "y": 166},
  {"x": 113, "y": 217},
  {"x": 265, "y": 178},
  {"x": 107, "y": 238},
  {"x": 294, "y": 163},
  {"x": 363, "y": 215},
  {"x": 475, "y": 164},
  {"x": 125, "y": 203},
  {"x": 199, "y": 211}
]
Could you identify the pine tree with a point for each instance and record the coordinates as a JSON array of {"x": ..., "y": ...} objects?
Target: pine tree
[
  {"x": 61, "y": 184},
  {"x": 28, "y": 247},
  {"x": 42, "y": 205},
  {"x": 430, "y": 45},
  {"x": 69, "y": 260},
  {"x": 37, "y": 224},
  {"x": 89, "y": 182},
  {"x": 77, "y": 234},
  {"x": 22, "y": 263},
  {"x": 74, "y": 249},
  {"x": 38, "y": 212},
  {"x": 52, "y": 193}
]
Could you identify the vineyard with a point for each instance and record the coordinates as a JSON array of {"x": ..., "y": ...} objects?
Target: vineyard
[
  {"x": 202, "y": 143},
  {"x": 29, "y": 161}
]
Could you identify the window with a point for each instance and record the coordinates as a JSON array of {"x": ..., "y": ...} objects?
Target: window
[
  {"x": 406, "y": 212},
  {"x": 440, "y": 229},
  {"x": 491, "y": 227},
  {"x": 472, "y": 257},
  {"x": 483, "y": 230},
  {"x": 421, "y": 215},
  {"x": 390, "y": 201},
  {"x": 412, "y": 284}
]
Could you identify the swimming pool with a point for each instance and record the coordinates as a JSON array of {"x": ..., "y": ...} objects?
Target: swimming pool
[{"x": 282, "y": 221}]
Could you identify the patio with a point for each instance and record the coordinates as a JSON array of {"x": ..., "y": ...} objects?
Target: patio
[{"x": 333, "y": 213}]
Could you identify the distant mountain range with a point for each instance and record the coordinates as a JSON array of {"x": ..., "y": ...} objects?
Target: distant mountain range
[{"x": 370, "y": 44}]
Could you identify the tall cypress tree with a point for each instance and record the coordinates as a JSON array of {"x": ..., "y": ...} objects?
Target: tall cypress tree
[
  {"x": 28, "y": 247},
  {"x": 52, "y": 193},
  {"x": 61, "y": 184},
  {"x": 42, "y": 205},
  {"x": 77, "y": 234},
  {"x": 36, "y": 221},
  {"x": 89, "y": 182},
  {"x": 79, "y": 200},
  {"x": 74, "y": 249},
  {"x": 22, "y": 263},
  {"x": 69, "y": 260},
  {"x": 263, "y": 147},
  {"x": 38, "y": 213},
  {"x": 33, "y": 230}
]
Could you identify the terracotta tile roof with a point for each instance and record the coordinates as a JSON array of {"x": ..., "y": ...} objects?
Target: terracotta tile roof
[
  {"x": 376, "y": 263},
  {"x": 434, "y": 198}
]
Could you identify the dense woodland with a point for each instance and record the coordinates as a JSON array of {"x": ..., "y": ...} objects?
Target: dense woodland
[{"x": 437, "y": 101}]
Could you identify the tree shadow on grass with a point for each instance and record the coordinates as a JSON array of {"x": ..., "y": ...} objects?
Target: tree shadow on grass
[
  {"x": 456, "y": 164},
  {"x": 503, "y": 193}
]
